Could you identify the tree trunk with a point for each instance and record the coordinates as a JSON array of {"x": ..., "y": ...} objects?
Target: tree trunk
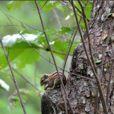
[{"x": 81, "y": 87}]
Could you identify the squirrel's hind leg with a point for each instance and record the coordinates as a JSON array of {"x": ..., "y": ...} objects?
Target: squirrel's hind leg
[{"x": 55, "y": 84}]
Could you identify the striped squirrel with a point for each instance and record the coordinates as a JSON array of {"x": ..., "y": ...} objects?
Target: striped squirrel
[{"x": 51, "y": 81}]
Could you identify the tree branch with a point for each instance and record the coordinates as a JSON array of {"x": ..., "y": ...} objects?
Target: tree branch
[
  {"x": 22, "y": 104},
  {"x": 70, "y": 47},
  {"x": 107, "y": 42},
  {"x": 58, "y": 21},
  {"x": 87, "y": 29},
  {"x": 110, "y": 77},
  {"x": 26, "y": 79},
  {"x": 62, "y": 85},
  {"x": 21, "y": 21}
]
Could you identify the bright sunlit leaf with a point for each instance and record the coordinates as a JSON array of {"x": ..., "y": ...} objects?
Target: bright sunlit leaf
[{"x": 3, "y": 85}]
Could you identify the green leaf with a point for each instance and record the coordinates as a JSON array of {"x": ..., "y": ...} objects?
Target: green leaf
[
  {"x": 69, "y": 15},
  {"x": 62, "y": 8},
  {"x": 64, "y": 30},
  {"x": 105, "y": 36},
  {"x": 59, "y": 46},
  {"x": 102, "y": 89},
  {"x": 47, "y": 5},
  {"x": 88, "y": 9},
  {"x": 109, "y": 15},
  {"x": 17, "y": 48},
  {"x": 21, "y": 54},
  {"x": 61, "y": 50},
  {"x": 3, "y": 85},
  {"x": 13, "y": 5},
  {"x": 98, "y": 61}
]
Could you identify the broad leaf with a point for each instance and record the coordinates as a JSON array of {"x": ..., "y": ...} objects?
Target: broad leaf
[
  {"x": 18, "y": 48},
  {"x": 21, "y": 53}
]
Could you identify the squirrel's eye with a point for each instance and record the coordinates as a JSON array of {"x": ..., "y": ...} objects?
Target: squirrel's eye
[{"x": 42, "y": 79}]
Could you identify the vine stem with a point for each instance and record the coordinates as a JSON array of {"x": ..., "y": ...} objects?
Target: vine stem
[{"x": 22, "y": 104}]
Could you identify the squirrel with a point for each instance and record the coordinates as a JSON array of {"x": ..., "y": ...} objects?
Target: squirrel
[{"x": 51, "y": 81}]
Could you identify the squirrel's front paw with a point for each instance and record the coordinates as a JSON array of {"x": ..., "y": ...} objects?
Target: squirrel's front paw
[{"x": 50, "y": 88}]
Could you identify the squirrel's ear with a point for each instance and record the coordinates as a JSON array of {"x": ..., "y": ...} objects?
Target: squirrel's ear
[{"x": 45, "y": 75}]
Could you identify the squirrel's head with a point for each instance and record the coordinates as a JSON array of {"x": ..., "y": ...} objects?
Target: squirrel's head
[{"x": 43, "y": 78}]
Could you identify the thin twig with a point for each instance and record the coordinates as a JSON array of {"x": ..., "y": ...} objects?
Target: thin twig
[
  {"x": 14, "y": 94},
  {"x": 96, "y": 77},
  {"x": 70, "y": 47},
  {"x": 103, "y": 54},
  {"x": 9, "y": 25},
  {"x": 22, "y": 104},
  {"x": 81, "y": 76},
  {"x": 21, "y": 21},
  {"x": 57, "y": 18},
  {"x": 104, "y": 63},
  {"x": 43, "y": 5},
  {"x": 96, "y": 102},
  {"x": 62, "y": 85},
  {"x": 71, "y": 9},
  {"x": 65, "y": 5},
  {"x": 110, "y": 77},
  {"x": 26, "y": 79},
  {"x": 61, "y": 53},
  {"x": 87, "y": 29},
  {"x": 64, "y": 64},
  {"x": 58, "y": 21}
]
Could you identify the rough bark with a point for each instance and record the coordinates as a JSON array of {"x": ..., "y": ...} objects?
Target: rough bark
[{"x": 83, "y": 93}]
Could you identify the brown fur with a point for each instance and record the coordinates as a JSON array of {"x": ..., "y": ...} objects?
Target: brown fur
[{"x": 51, "y": 81}]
